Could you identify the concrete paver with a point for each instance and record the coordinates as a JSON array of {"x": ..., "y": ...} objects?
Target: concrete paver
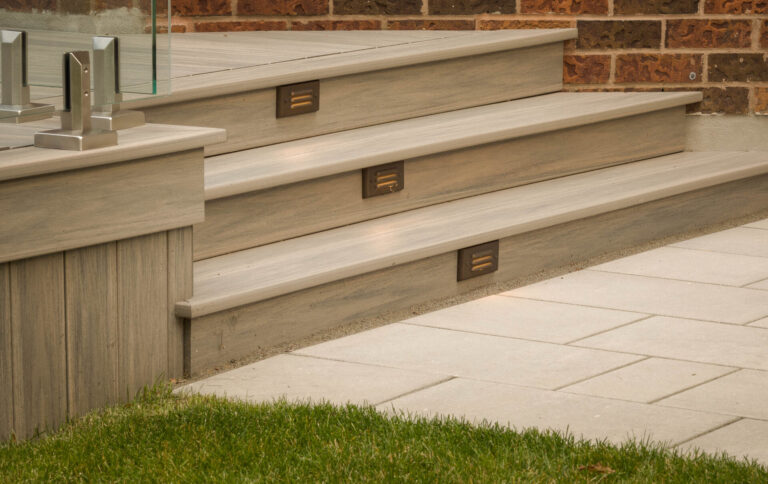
[
  {"x": 743, "y": 393},
  {"x": 671, "y": 344},
  {"x": 477, "y": 356},
  {"x": 302, "y": 378},
  {"x": 581, "y": 415},
  {"x": 760, "y": 224},
  {"x": 648, "y": 380},
  {"x": 759, "y": 285},
  {"x": 685, "y": 339},
  {"x": 741, "y": 240},
  {"x": 745, "y": 438},
  {"x": 692, "y": 265},
  {"x": 526, "y": 319},
  {"x": 651, "y": 295}
]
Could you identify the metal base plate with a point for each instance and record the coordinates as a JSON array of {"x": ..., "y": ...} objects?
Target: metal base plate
[
  {"x": 116, "y": 120},
  {"x": 61, "y": 139},
  {"x": 26, "y": 113}
]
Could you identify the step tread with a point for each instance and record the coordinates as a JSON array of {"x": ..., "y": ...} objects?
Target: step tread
[
  {"x": 295, "y": 161},
  {"x": 354, "y": 62},
  {"x": 257, "y": 274}
]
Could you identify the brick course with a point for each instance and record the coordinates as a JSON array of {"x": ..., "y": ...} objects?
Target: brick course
[{"x": 718, "y": 47}]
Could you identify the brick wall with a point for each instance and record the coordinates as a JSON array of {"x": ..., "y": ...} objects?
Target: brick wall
[{"x": 717, "y": 46}]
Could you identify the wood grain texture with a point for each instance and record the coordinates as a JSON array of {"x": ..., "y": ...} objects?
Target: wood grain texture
[
  {"x": 264, "y": 272},
  {"x": 266, "y": 216},
  {"x": 91, "y": 308},
  {"x": 374, "y": 97},
  {"x": 332, "y": 154},
  {"x": 135, "y": 143},
  {"x": 83, "y": 207},
  {"x": 142, "y": 270},
  {"x": 218, "y": 338},
  {"x": 179, "y": 289},
  {"x": 6, "y": 353},
  {"x": 409, "y": 48},
  {"x": 38, "y": 340}
]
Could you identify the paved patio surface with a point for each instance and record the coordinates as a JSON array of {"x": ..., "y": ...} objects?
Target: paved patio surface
[{"x": 670, "y": 344}]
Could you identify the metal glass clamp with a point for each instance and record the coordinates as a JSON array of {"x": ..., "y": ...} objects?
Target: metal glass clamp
[
  {"x": 14, "y": 103},
  {"x": 76, "y": 132},
  {"x": 106, "y": 88}
]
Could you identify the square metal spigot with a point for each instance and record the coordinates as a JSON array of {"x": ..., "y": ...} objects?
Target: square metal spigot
[
  {"x": 14, "y": 103},
  {"x": 106, "y": 88},
  {"x": 76, "y": 132}
]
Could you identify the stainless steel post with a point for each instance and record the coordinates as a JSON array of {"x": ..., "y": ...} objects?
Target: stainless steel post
[
  {"x": 106, "y": 88},
  {"x": 14, "y": 103},
  {"x": 76, "y": 132}
]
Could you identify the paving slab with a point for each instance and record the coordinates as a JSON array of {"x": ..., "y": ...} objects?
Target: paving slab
[
  {"x": 651, "y": 295},
  {"x": 299, "y": 378},
  {"x": 477, "y": 356},
  {"x": 741, "y": 240},
  {"x": 685, "y": 339},
  {"x": 649, "y": 380},
  {"x": 692, "y": 265},
  {"x": 763, "y": 285},
  {"x": 526, "y": 319},
  {"x": 581, "y": 415},
  {"x": 743, "y": 393},
  {"x": 760, "y": 323},
  {"x": 760, "y": 224},
  {"x": 746, "y": 438}
]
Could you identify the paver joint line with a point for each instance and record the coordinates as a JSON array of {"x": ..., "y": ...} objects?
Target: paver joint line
[{"x": 709, "y": 431}]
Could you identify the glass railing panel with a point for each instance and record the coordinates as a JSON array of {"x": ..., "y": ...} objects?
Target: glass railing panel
[{"x": 55, "y": 27}]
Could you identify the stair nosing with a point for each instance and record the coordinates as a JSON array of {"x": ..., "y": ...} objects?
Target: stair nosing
[
  {"x": 646, "y": 103},
  {"x": 198, "y": 305}
]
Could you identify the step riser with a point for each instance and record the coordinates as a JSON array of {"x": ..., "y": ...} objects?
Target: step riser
[
  {"x": 365, "y": 99},
  {"x": 218, "y": 338},
  {"x": 266, "y": 216}
]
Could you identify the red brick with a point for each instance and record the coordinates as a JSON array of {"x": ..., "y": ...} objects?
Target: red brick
[
  {"x": 709, "y": 33},
  {"x": 100, "y": 5},
  {"x": 282, "y": 7},
  {"x": 243, "y": 26},
  {"x": 657, "y": 68},
  {"x": 736, "y": 6},
  {"x": 572, "y": 7},
  {"x": 469, "y": 7},
  {"x": 163, "y": 29},
  {"x": 722, "y": 100},
  {"x": 761, "y": 95},
  {"x": 738, "y": 67},
  {"x": 586, "y": 69},
  {"x": 337, "y": 25},
  {"x": 431, "y": 24},
  {"x": 634, "y": 7},
  {"x": 764, "y": 35},
  {"x": 377, "y": 7},
  {"x": 522, "y": 24},
  {"x": 194, "y": 8},
  {"x": 619, "y": 34}
]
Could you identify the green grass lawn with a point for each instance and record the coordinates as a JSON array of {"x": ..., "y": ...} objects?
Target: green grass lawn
[{"x": 164, "y": 438}]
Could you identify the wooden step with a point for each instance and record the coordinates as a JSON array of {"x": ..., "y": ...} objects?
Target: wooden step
[
  {"x": 270, "y": 295},
  {"x": 360, "y": 87},
  {"x": 273, "y": 193}
]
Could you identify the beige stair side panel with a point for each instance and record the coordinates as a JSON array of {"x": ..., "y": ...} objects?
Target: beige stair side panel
[
  {"x": 266, "y": 216},
  {"x": 249, "y": 330},
  {"x": 179, "y": 289},
  {"x": 376, "y": 97},
  {"x": 91, "y": 280},
  {"x": 38, "y": 343},
  {"x": 67, "y": 210},
  {"x": 6, "y": 364}
]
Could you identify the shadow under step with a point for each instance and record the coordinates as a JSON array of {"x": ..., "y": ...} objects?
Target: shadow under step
[
  {"x": 283, "y": 292},
  {"x": 277, "y": 192},
  {"x": 364, "y": 87}
]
